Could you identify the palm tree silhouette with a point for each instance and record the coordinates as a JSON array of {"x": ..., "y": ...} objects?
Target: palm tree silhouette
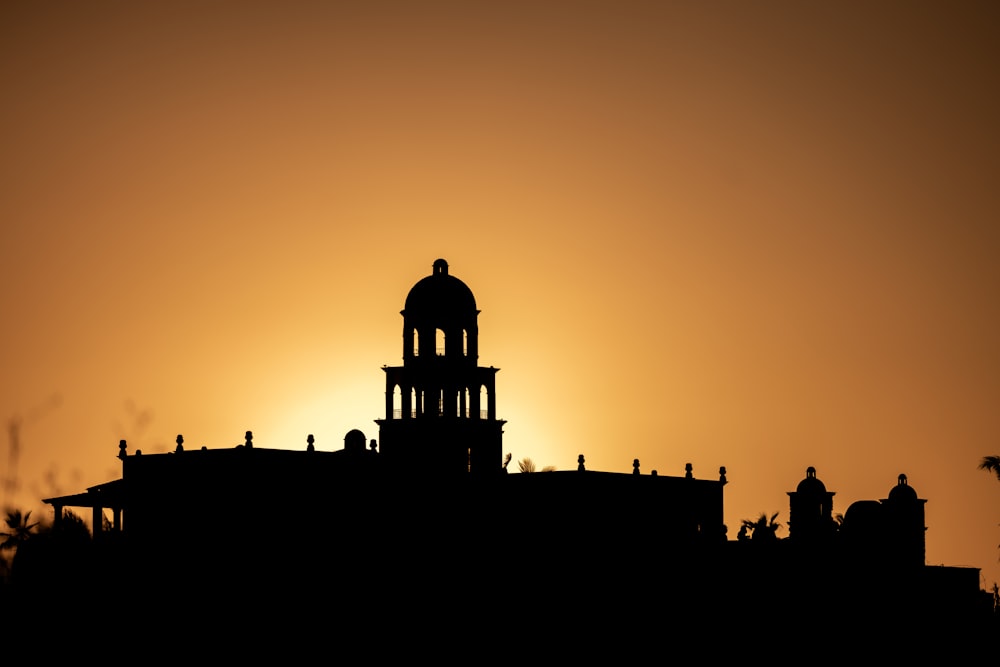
[
  {"x": 527, "y": 465},
  {"x": 19, "y": 530},
  {"x": 762, "y": 528},
  {"x": 991, "y": 464}
]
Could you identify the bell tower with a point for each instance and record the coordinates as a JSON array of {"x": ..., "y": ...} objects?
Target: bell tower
[{"x": 440, "y": 405}]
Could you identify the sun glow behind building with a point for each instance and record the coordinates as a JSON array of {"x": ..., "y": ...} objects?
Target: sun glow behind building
[{"x": 756, "y": 237}]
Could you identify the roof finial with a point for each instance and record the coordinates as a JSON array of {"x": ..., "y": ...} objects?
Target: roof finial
[
  {"x": 249, "y": 443},
  {"x": 309, "y": 443},
  {"x": 180, "y": 443}
]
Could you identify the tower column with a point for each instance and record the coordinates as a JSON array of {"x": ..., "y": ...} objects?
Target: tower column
[{"x": 405, "y": 401}]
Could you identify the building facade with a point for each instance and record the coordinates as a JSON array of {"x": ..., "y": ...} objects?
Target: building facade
[{"x": 429, "y": 509}]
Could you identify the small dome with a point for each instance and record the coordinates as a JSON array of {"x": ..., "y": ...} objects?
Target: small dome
[
  {"x": 811, "y": 483},
  {"x": 354, "y": 441},
  {"x": 440, "y": 293},
  {"x": 902, "y": 491},
  {"x": 863, "y": 514}
]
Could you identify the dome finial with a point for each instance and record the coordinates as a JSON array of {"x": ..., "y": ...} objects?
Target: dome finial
[{"x": 440, "y": 267}]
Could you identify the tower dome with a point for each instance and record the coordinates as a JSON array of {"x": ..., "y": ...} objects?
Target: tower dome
[
  {"x": 439, "y": 319},
  {"x": 811, "y": 483},
  {"x": 439, "y": 294},
  {"x": 902, "y": 492}
]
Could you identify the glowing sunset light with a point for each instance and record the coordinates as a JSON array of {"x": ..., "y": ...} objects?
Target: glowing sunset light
[{"x": 758, "y": 237}]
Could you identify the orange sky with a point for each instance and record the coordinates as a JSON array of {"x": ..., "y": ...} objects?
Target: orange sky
[{"x": 759, "y": 235}]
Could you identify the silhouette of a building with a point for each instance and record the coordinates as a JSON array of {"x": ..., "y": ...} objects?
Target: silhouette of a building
[
  {"x": 426, "y": 512},
  {"x": 810, "y": 505},
  {"x": 441, "y": 408}
]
